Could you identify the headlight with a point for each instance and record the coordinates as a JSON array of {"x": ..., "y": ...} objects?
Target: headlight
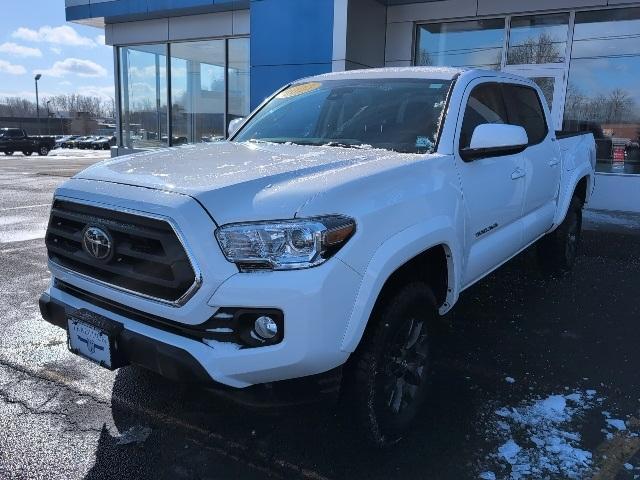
[{"x": 285, "y": 244}]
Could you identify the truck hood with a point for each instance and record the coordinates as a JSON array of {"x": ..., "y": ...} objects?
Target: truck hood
[{"x": 245, "y": 181}]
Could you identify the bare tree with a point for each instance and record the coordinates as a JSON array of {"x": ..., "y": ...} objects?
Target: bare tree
[
  {"x": 535, "y": 50},
  {"x": 619, "y": 106},
  {"x": 423, "y": 57},
  {"x": 96, "y": 107},
  {"x": 616, "y": 106},
  {"x": 17, "y": 107}
]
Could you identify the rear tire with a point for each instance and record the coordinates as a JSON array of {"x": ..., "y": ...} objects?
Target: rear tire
[
  {"x": 557, "y": 251},
  {"x": 8, "y": 153},
  {"x": 43, "y": 151},
  {"x": 27, "y": 153},
  {"x": 386, "y": 380}
]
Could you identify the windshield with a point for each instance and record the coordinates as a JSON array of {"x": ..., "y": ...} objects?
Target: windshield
[{"x": 395, "y": 114}]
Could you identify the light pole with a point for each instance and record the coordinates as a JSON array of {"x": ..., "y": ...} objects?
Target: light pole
[
  {"x": 48, "y": 117},
  {"x": 38, "y": 77},
  {"x": 61, "y": 121}
]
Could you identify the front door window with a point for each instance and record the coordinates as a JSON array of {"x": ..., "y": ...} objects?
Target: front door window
[{"x": 551, "y": 82}]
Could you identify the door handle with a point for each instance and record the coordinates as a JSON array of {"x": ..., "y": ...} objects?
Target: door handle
[
  {"x": 517, "y": 173},
  {"x": 554, "y": 162}
]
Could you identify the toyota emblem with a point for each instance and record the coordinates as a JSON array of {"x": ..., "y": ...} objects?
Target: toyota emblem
[{"x": 97, "y": 243}]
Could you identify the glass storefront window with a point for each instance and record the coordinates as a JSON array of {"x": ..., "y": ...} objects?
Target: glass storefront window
[
  {"x": 197, "y": 91},
  {"x": 476, "y": 43},
  {"x": 538, "y": 39},
  {"x": 209, "y": 84},
  {"x": 238, "y": 74},
  {"x": 143, "y": 87},
  {"x": 603, "y": 93}
]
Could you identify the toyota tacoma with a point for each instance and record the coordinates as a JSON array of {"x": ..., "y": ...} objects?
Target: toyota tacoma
[{"x": 319, "y": 244}]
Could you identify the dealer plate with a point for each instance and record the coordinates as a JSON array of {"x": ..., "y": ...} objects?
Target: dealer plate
[{"x": 89, "y": 341}]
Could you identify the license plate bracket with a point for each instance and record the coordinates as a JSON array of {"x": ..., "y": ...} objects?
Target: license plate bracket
[{"x": 95, "y": 338}]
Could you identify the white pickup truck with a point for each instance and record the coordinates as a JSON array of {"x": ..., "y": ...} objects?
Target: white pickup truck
[{"x": 322, "y": 240}]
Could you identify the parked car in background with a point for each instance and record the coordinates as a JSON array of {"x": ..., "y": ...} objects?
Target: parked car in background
[
  {"x": 103, "y": 143},
  {"x": 632, "y": 153},
  {"x": 86, "y": 143},
  {"x": 212, "y": 138},
  {"x": 74, "y": 143},
  {"x": 65, "y": 142},
  {"x": 176, "y": 140},
  {"x": 323, "y": 240},
  {"x": 61, "y": 139},
  {"x": 16, "y": 140}
]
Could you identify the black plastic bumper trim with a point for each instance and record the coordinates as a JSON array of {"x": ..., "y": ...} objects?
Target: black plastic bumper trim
[
  {"x": 167, "y": 360},
  {"x": 241, "y": 322},
  {"x": 193, "y": 332}
]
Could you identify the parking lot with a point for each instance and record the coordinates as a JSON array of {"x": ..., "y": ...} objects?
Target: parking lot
[{"x": 533, "y": 378}]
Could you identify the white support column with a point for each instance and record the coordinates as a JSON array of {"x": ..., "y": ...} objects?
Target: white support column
[{"x": 340, "y": 14}]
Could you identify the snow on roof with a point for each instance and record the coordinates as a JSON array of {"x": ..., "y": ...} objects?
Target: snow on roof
[{"x": 436, "y": 73}]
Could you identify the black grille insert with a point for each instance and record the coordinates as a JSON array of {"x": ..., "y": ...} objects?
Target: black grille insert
[{"x": 148, "y": 257}]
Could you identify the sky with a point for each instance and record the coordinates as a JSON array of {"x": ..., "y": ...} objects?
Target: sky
[{"x": 35, "y": 38}]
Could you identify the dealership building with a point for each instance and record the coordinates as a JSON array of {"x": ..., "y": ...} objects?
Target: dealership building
[{"x": 185, "y": 68}]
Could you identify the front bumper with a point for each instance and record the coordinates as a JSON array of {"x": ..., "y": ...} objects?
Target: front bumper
[
  {"x": 316, "y": 304},
  {"x": 179, "y": 365}
]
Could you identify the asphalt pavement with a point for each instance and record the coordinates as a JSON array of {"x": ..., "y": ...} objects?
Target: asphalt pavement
[{"x": 533, "y": 377}]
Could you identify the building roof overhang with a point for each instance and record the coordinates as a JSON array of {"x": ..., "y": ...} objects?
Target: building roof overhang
[{"x": 97, "y": 13}]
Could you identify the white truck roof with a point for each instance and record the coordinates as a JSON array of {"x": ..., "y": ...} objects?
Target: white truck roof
[{"x": 433, "y": 73}]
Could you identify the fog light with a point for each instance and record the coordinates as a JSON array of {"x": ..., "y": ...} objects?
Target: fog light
[{"x": 266, "y": 327}]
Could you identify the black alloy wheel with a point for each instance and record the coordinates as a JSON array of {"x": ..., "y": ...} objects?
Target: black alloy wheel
[{"x": 385, "y": 382}]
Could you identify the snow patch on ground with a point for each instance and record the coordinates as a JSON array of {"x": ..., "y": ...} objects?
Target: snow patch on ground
[
  {"x": 536, "y": 438},
  {"x": 78, "y": 153},
  {"x": 604, "y": 220},
  {"x": 488, "y": 476},
  {"x": 616, "y": 423},
  {"x": 135, "y": 434}
]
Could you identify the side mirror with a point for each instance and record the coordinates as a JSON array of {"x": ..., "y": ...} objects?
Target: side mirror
[
  {"x": 234, "y": 125},
  {"x": 495, "y": 139}
]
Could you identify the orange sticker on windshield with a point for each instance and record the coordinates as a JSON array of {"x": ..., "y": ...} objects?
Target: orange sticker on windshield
[{"x": 299, "y": 89}]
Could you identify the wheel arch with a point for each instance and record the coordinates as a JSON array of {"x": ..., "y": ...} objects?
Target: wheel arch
[
  {"x": 580, "y": 182},
  {"x": 436, "y": 264}
]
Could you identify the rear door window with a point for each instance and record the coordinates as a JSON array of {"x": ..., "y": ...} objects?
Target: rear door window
[
  {"x": 485, "y": 105},
  {"x": 524, "y": 108}
]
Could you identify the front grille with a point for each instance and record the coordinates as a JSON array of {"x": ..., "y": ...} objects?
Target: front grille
[{"x": 147, "y": 257}]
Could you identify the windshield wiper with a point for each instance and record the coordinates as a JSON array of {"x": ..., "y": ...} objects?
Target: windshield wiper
[
  {"x": 346, "y": 145},
  {"x": 259, "y": 140},
  {"x": 314, "y": 143}
]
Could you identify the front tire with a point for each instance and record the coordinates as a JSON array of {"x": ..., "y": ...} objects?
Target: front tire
[
  {"x": 388, "y": 375},
  {"x": 557, "y": 251},
  {"x": 27, "y": 153},
  {"x": 8, "y": 153}
]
